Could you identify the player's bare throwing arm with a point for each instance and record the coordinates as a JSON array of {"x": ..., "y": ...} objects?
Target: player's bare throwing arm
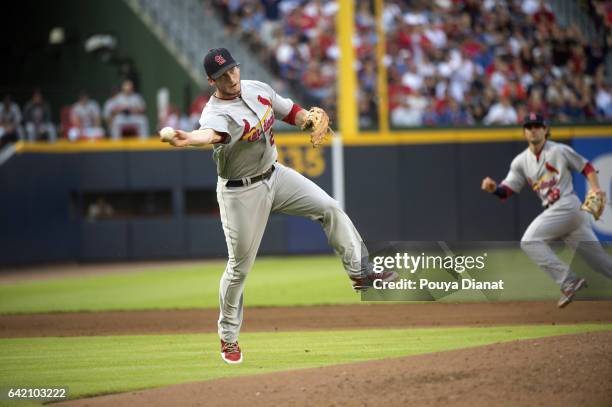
[
  {"x": 546, "y": 166},
  {"x": 238, "y": 122}
]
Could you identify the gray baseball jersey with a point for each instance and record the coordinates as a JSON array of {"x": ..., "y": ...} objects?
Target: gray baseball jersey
[
  {"x": 544, "y": 173},
  {"x": 246, "y": 122},
  {"x": 248, "y": 150},
  {"x": 549, "y": 175}
]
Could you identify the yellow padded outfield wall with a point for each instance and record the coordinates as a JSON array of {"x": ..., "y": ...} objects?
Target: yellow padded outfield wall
[{"x": 420, "y": 136}]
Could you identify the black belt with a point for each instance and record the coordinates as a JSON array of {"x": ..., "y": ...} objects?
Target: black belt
[{"x": 249, "y": 181}]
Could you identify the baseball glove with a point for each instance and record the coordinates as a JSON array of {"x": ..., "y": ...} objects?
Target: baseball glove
[
  {"x": 318, "y": 122},
  {"x": 594, "y": 203}
]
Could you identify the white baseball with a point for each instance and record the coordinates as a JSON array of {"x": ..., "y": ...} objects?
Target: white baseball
[{"x": 166, "y": 133}]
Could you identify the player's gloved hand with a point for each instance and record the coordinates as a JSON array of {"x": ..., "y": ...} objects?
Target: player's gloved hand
[
  {"x": 594, "y": 203},
  {"x": 597, "y": 191},
  {"x": 489, "y": 185},
  {"x": 317, "y": 121}
]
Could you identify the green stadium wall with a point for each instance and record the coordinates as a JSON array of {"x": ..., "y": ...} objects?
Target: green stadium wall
[{"x": 62, "y": 71}]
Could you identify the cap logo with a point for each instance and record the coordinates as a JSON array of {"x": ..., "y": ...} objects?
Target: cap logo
[
  {"x": 532, "y": 116},
  {"x": 219, "y": 59}
]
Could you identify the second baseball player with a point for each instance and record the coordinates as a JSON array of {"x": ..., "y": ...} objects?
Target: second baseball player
[{"x": 546, "y": 167}]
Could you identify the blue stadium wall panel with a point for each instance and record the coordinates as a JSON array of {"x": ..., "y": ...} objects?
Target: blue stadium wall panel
[
  {"x": 107, "y": 240},
  {"x": 37, "y": 222},
  {"x": 485, "y": 217},
  {"x": 204, "y": 236},
  {"x": 373, "y": 180},
  {"x": 599, "y": 152},
  {"x": 407, "y": 192}
]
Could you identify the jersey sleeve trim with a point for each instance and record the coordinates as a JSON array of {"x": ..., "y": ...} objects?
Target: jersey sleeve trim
[
  {"x": 503, "y": 191},
  {"x": 225, "y": 138},
  {"x": 588, "y": 168},
  {"x": 290, "y": 118}
]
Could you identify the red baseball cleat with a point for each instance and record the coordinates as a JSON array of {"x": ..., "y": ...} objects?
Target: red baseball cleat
[
  {"x": 362, "y": 284},
  {"x": 230, "y": 353}
]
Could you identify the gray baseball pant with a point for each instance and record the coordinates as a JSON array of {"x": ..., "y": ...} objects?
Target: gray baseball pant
[
  {"x": 565, "y": 221},
  {"x": 244, "y": 215}
]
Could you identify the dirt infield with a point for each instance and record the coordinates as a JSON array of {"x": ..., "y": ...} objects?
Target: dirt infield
[
  {"x": 571, "y": 370},
  {"x": 306, "y": 318},
  {"x": 556, "y": 371}
]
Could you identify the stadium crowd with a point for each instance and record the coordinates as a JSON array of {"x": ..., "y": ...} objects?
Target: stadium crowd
[
  {"x": 449, "y": 62},
  {"x": 123, "y": 114},
  {"x": 33, "y": 124}
]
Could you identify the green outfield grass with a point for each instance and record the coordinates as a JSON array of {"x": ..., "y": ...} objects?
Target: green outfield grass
[
  {"x": 110, "y": 364},
  {"x": 274, "y": 281}
]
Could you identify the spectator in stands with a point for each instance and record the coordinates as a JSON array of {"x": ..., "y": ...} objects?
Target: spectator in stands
[
  {"x": 195, "y": 109},
  {"x": 457, "y": 114},
  {"x": 514, "y": 90},
  {"x": 252, "y": 22},
  {"x": 463, "y": 49},
  {"x": 411, "y": 77},
  {"x": 85, "y": 119},
  {"x": 172, "y": 117},
  {"x": 596, "y": 56},
  {"x": 100, "y": 209},
  {"x": 126, "y": 113},
  {"x": 529, "y": 7},
  {"x": 396, "y": 90},
  {"x": 544, "y": 18},
  {"x": 430, "y": 116},
  {"x": 367, "y": 77},
  {"x": 603, "y": 99},
  {"x": 367, "y": 112},
  {"x": 521, "y": 113},
  {"x": 37, "y": 119},
  {"x": 536, "y": 103},
  {"x": 287, "y": 57},
  {"x": 501, "y": 113},
  {"x": 10, "y": 122},
  {"x": 319, "y": 86},
  {"x": 271, "y": 22},
  {"x": 477, "y": 101},
  {"x": 561, "y": 44},
  {"x": 108, "y": 107},
  {"x": 410, "y": 111},
  {"x": 572, "y": 110}
]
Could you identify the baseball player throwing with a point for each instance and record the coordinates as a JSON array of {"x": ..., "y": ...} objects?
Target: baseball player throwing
[
  {"x": 238, "y": 122},
  {"x": 546, "y": 166}
]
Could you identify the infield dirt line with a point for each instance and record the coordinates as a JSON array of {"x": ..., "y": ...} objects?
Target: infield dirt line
[{"x": 306, "y": 318}]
